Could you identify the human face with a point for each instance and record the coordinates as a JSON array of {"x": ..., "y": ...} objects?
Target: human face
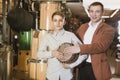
[
  {"x": 58, "y": 22},
  {"x": 95, "y": 13}
]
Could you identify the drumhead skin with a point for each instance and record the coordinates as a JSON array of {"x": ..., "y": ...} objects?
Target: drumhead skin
[{"x": 67, "y": 58}]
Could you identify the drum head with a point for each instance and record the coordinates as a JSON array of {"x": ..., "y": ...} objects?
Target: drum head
[{"x": 67, "y": 58}]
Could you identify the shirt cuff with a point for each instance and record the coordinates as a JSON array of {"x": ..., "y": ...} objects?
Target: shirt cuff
[{"x": 80, "y": 59}]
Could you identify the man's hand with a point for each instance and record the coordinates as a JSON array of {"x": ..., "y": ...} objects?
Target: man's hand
[
  {"x": 57, "y": 54},
  {"x": 72, "y": 49}
]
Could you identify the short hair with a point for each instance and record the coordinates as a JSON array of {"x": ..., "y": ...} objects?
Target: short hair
[
  {"x": 58, "y": 13},
  {"x": 96, "y": 4}
]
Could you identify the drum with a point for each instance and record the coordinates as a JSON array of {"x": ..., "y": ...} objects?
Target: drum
[
  {"x": 37, "y": 69},
  {"x": 34, "y": 44},
  {"x": 0, "y": 6},
  {"x": 46, "y": 11},
  {"x": 36, "y": 41},
  {"x": 67, "y": 57},
  {"x": 25, "y": 40}
]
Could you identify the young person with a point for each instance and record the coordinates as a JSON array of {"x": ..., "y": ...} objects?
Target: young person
[
  {"x": 97, "y": 37},
  {"x": 49, "y": 45}
]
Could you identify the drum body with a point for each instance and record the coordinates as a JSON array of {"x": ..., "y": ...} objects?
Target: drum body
[
  {"x": 34, "y": 45},
  {"x": 67, "y": 57},
  {"x": 25, "y": 40},
  {"x": 0, "y": 6},
  {"x": 36, "y": 42},
  {"x": 37, "y": 69},
  {"x": 46, "y": 11}
]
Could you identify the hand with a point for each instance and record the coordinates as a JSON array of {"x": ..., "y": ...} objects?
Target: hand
[
  {"x": 66, "y": 66},
  {"x": 57, "y": 54},
  {"x": 72, "y": 49}
]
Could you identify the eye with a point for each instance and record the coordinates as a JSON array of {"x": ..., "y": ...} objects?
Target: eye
[
  {"x": 97, "y": 11},
  {"x": 90, "y": 11}
]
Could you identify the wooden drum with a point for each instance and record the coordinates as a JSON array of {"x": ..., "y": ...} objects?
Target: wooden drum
[
  {"x": 67, "y": 57},
  {"x": 46, "y": 11},
  {"x": 37, "y": 69},
  {"x": 36, "y": 41},
  {"x": 0, "y": 6}
]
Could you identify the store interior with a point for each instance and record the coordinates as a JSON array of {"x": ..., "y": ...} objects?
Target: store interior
[{"x": 23, "y": 24}]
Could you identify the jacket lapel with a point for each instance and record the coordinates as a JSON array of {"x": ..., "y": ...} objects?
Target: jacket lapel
[
  {"x": 98, "y": 29},
  {"x": 84, "y": 30}
]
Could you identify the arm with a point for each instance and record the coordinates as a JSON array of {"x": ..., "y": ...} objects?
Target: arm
[
  {"x": 102, "y": 39},
  {"x": 80, "y": 59}
]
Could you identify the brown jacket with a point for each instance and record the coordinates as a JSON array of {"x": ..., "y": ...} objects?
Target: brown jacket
[{"x": 101, "y": 41}]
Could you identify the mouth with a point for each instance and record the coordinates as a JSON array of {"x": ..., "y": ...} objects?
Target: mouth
[{"x": 94, "y": 17}]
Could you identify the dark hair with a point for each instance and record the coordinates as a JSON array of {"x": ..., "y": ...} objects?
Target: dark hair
[
  {"x": 96, "y": 4},
  {"x": 58, "y": 13}
]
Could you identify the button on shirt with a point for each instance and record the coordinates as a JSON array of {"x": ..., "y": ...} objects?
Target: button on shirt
[
  {"x": 89, "y": 35},
  {"x": 52, "y": 41}
]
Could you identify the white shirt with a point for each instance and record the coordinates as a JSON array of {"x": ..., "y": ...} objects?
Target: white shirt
[
  {"x": 52, "y": 41},
  {"x": 89, "y": 35}
]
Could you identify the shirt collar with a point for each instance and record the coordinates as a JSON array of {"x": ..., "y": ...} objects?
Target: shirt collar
[
  {"x": 59, "y": 33},
  {"x": 96, "y": 25}
]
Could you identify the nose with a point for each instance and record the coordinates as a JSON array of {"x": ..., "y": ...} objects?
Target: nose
[{"x": 58, "y": 22}]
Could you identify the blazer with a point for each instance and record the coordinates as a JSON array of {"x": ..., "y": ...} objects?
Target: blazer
[{"x": 101, "y": 41}]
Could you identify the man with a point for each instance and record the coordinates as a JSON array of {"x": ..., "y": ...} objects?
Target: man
[
  {"x": 49, "y": 45},
  {"x": 97, "y": 37}
]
